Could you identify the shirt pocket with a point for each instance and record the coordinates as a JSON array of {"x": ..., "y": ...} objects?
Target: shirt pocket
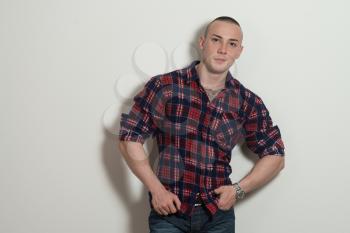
[
  {"x": 178, "y": 117},
  {"x": 227, "y": 130}
]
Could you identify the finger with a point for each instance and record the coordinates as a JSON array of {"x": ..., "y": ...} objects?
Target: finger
[
  {"x": 220, "y": 203},
  {"x": 177, "y": 203},
  {"x": 223, "y": 206},
  {"x": 223, "y": 202},
  {"x": 172, "y": 208},
  {"x": 223, "y": 196},
  {"x": 168, "y": 208},
  {"x": 158, "y": 211},
  {"x": 218, "y": 190},
  {"x": 163, "y": 211}
]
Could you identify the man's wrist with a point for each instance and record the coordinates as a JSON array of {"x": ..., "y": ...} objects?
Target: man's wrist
[
  {"x": 240, "y": 193},
  {"x": 157, "y": 188}
]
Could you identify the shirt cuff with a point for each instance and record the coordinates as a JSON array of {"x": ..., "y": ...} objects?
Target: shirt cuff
[
  {"x": 131, "y": 136},
  {"x": 273, "y": 150}
]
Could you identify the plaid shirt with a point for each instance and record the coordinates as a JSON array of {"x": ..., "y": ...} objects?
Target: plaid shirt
[{"x": 195, "y": 136}]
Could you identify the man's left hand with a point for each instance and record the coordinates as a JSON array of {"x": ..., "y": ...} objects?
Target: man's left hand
[{"x": 227, "y": 196}]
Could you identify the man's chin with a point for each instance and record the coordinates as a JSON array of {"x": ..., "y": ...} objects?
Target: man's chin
[{"x": 220, "y": 69}]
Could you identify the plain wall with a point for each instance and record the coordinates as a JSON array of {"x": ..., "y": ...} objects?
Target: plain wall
[{"x": 69, "y": 68}]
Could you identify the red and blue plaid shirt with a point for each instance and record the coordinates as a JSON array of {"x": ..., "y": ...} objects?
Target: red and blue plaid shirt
[{"x": 195, "y": 136}]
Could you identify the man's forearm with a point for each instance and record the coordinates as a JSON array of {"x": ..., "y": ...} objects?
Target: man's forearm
[
  {"x": 163, "y": 201},
  {"x": 137, "y": 160},
  {"x": 263, "y": 171}
]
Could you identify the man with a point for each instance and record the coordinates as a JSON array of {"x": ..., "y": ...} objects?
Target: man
[{"x": 198, "y": 114}]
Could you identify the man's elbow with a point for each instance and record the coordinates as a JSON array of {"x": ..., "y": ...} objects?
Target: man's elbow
[
  {"x": 121, "y": 146},
  {"x": 282, "y": 163},
  {"x": 127, "y": 146}
]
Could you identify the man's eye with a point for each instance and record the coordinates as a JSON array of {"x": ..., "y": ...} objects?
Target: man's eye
[
  {"x": 233, "y": 44},
  {"x": 215, "y": 39}
]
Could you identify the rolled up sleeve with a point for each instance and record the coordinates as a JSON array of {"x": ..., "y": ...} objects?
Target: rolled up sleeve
[
  {"x": 262, "y": 137},
  {"x": 137, "y": 125}
]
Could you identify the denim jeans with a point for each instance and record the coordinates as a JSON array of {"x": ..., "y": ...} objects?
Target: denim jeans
[{"x": 200, "y": 222}]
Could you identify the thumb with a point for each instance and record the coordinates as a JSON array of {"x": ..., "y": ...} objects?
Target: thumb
[{"x": 218, "y": 190}]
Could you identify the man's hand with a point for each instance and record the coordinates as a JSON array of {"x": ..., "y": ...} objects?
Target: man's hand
[
  {"x": 227, "y": 196},
  {"x": 165, "y": 202}
]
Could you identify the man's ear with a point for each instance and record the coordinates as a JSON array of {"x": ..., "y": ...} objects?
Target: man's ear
[{"x": 201, "y": 42}]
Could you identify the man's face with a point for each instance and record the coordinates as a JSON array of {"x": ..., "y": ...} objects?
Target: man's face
[{"x": 221, "y": 46}]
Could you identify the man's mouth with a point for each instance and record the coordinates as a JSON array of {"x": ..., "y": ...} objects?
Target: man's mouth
[{"x": 220, "y": 60}]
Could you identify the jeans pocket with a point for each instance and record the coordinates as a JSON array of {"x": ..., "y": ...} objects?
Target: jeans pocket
[{"x": 229, "y": 212}]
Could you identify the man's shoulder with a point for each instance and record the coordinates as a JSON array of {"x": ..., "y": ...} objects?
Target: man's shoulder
[
  {"x": 246, "y": 94},
  {"x": 172, "y": 77}
]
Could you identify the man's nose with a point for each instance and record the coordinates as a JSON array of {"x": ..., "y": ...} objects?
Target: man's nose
[{"x": 222, "y": 49}]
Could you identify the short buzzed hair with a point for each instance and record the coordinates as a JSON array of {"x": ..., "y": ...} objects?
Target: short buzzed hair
[{"x": 221, "y": 18}]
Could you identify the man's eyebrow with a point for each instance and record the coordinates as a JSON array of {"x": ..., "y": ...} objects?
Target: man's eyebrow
[{"x": 231, "y": 39}]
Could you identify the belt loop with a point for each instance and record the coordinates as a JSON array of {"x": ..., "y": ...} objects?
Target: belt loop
[{"x": 198, "y": 201}]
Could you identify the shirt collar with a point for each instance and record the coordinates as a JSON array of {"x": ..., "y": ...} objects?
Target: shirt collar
[{"x": 192, "y": 75}]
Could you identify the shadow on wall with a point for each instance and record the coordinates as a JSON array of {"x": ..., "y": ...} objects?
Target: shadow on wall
[
  {"x": 117, "y": 171},
  {"x": 137, "y": 211}
]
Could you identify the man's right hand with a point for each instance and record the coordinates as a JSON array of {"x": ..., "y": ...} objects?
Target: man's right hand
[{"x": 165, "y": 202}]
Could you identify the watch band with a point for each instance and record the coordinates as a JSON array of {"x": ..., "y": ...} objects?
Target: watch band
[{"x": 239, "y": 191}]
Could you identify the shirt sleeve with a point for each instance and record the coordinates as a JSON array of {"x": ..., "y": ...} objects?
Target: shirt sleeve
[
  {"x": 261, "y": 136},
  {"x": 138, "y": 125}
]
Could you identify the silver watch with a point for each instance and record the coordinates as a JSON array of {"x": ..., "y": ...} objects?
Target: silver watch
[{"x": 239, "y": 191}]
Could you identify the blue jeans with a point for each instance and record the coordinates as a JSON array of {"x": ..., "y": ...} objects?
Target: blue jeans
[{"x": 200, "y": 222}]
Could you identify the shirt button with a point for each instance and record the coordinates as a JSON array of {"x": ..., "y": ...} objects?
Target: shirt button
[{"x": 220, "y": 138}]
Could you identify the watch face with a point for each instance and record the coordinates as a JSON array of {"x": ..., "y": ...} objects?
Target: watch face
[{"x": 240, "y": 195}]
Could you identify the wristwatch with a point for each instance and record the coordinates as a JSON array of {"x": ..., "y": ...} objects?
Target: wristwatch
[{"x": 239, "y": 191}]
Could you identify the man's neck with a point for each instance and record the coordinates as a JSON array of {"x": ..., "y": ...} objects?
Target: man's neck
[{"x": 210, "y": 80}]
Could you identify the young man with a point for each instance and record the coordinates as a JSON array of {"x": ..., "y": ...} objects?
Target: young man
[{"x": 198, "y": 114}]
